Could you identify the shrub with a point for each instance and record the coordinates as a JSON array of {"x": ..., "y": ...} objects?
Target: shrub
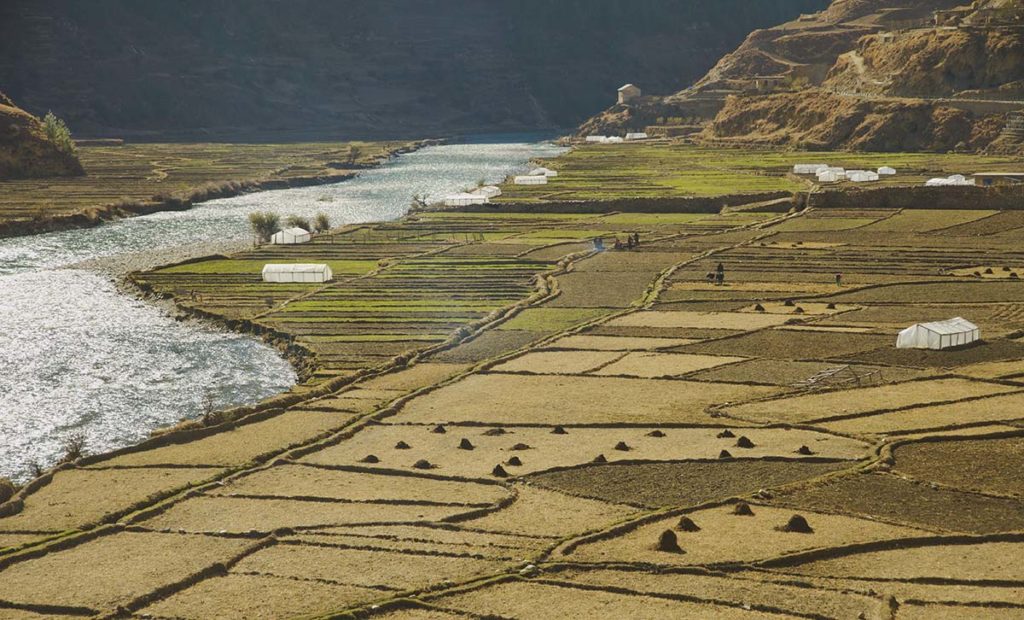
[
  {"x": 74, "y": 447},
  {"x": 264, "y": 224},
  {"x": 58, "y": 133},
  {"x": 7, "y": 490},
  {"x": 297, "y": 221},
  {"x": 321, "y": 222}
]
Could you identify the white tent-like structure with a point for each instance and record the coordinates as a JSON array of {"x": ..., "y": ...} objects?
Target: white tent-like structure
[
  {"x": 954, "y": 332},
  {"x": 305, "y": 273},
  {"x": 598, "y": 139},
  {"x": 861, "y": 176},
  {"x": 637, "y": 135},
  {"x": 613, "y": 140},
  {"x": 290, "y": 236},
  {"x": 829, "y": 176},
  {"x": 954, "y": 179},
  {"x": 886, "y": 171},
  {"x": 807, "y": 168},
  {"x": 491, "y": 191},
  {"x": 464, "y": 200},
  {"x": 530, "y": 180},
  {"x": 548, "y": 172}
]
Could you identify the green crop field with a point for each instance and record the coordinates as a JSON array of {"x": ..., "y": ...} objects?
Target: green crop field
[{"x": 610, "y": 171}]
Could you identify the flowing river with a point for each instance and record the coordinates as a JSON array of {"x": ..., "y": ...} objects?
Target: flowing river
[{"x": 80, "y": 358}]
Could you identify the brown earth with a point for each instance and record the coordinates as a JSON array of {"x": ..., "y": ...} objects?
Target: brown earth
[{"x": 26, "y": 151}]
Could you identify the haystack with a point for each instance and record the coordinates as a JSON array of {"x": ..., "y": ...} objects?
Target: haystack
[
  {"x": 466, "y": 444},
  {"x": 439, "y": 429},
  {"x": 724, "y": 454},
  {"x": 726, "y": 434},
  {"x": 804, "y": 450},
  {"x": 499, "y": 471},
  {"x": 686, "y": 524},
  {"x": 743, "y": 509},
  {"x": 600, "y": 459},
  {"x": 369, "y": 458},
  {"x": 494, "y": 432},
  {"x": 622, "y": 446},
  {"x": 744, "y": 442},
  {"x": 558, "y": 430},
  {"x": 797, "y": 524},
  {"x": 668, "y": 542},
  {"x": 423, "y": 464},
  {"x": 656, "y": 433},
  {"x": 514, "y": 461},
  {"x": 401, "y": 445}
]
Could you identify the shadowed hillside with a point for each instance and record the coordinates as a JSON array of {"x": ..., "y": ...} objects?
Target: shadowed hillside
[
  {"x": 361, "y": 68},
  {"x": 27, "y": 151}
]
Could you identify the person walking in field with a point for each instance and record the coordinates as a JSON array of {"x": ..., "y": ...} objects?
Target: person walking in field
[
  {"x": 629, "y": 242},
  {"x": 636, "y": 239},
  {"x": 839, "y": 279}
]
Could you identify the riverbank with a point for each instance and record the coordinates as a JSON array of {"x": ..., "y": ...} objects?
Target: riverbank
[{"x": 141, "y": 179}]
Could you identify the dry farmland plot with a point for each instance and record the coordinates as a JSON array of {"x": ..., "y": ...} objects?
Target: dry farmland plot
[
  {"x": 785, "y": 372},
  {"x": 925, "y": 220},
  {"x": 284, "y": 481},
  {"x": 727, "y": 537},
  {"x": 559, "y": 362},
  {"x": 501, "y": 399},
  {"x": 538, "y": 449},
  {"x": 654, "y": 365},
  {"x": 241, "y": 515},
  {"x": 241, "y": 444},
  {"x": 863, "y": 400},
  {"x": 977, "y": 412},
  {"x": 260, "y": 597},
  {"x": 952, "y": 293},
  {"x": 544, "y": 513},
  {"x": 985, "y": 465},
  {"x": 699, "y": 320},
  {"x": 380, "y": 569},
  {"x": 682, "y": 484},
  {"x": 619, "y": 343},
  {"x": 897, "y": 500},
  {"x": 791, "y": 344},
  {"x": 949, "y": 560},
  {"x": 79, "y": 497},
  {"x": 791, "y": 598},
  {"x": 113, "y": 569},
  {"x": 523, "y": 599}
]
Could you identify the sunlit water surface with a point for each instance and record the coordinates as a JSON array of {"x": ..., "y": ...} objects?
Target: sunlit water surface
[{"x": 78, "y": 357}]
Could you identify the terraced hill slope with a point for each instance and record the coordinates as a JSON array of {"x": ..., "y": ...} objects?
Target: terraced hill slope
[
  {"x": 891, "y": 75},
  {"x": 25, "y": 149}
]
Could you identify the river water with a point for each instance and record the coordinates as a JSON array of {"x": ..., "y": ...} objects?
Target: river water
[{"x": 77, "y": 357}]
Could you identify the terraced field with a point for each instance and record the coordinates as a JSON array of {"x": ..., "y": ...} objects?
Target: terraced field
[
  {"x": 660, "y": 170},
  {"x": 498, "y": 421},
  {"x": 134, "y": 177}
]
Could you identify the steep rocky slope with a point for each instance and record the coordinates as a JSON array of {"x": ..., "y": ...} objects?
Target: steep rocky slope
[
  {"x": 361, "y": 68},
  {"x": 862, "y": 74},
  {"x": 25, "y": 149}
]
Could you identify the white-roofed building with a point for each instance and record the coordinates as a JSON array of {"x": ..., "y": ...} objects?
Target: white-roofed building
[
  {"x": 637, "y": 135},
  {"x": 548, "y": 172},
  {"x": 530, "y": 180},
  {"x": 491, "y": 191},
  {"x": 464, "y": 200},
  {"x": 597, "y": 139},
  {"x": 807, "y": 168},
  {"x": 628, "y": 92},
  {"x": 887, "y": 171},
  {"x": 955, "y": 332},
  {"x": 290, "y": 236},
  {"x": 303, "y": 273}
]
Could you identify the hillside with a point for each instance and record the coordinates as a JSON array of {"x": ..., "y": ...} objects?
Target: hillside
[
  {"x": 360, "y": 69},
  {"x": 25, "y": 149},
  {"x": 862, "y": 75}
]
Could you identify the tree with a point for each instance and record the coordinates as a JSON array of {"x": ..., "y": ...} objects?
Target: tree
[
  {"x": 297, "y": 221},
  {"x": 58, "y": 133},
  {"x": 354, "y": 153},
  {"x": 74, "y": 447},
  {"x": 321, "y": 222},
  {"x": 264, "y": 224}
]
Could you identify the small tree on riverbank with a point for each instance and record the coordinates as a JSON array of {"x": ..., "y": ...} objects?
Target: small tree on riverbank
[
  {"x": 297, "y": 221},
  {"x": 264, "y": 224},
  {"x": 58, "y": 133},
  {"x": 321, "y": 222}
]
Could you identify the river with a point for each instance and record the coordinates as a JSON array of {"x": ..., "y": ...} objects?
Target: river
[{"x": 79, "y": 358}]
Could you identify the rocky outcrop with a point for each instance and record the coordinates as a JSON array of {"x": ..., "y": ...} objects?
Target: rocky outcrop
[
  {"x": 821, "y": 120},
  {"x": 25, "y": 149}
]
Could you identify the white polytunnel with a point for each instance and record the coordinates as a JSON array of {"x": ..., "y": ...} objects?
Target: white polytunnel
[
  {"x": 954, "y": 332},
  {"x": 290, "y": 236},
  {"x": 306, "y": 273}
]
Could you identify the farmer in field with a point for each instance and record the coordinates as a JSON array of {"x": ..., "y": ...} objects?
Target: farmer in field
[
  {"x": 599, "y": 244},
  {"x": 839, "y": 279},
  {"x": 636, "y": 239},
  {"x": 720, "y": 274},
  {"x": 629, "y": 242}
]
